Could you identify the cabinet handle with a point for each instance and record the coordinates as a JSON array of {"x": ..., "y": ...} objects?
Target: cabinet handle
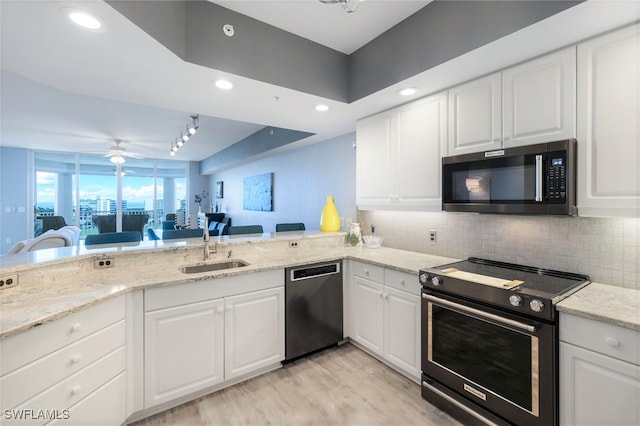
[
  {"x": 380, "y": 295},
  {"x": 76, "y": 390},
  {"x": 612, "y": 341},
  {"x": 366, "y": 272},
  {"x": 76, "y": 359},
  {"x": 76, "y": 327},
  {"x": 401, "y": 282}
]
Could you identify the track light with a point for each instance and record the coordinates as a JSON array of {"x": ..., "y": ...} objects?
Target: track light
[{"x": 192, "y": 128}]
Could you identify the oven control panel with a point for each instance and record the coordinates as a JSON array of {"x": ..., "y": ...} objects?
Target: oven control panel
[{"x": 513, "y": 300}]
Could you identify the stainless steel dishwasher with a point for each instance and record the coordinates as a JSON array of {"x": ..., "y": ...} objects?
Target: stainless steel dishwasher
[{"x": 313, "y": 308}]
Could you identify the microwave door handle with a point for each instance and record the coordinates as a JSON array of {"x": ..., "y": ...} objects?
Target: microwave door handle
[{"x": 538, "y": 178}]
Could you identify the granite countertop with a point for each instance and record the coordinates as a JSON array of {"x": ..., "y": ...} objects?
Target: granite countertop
[
  {"x": 613, "y": 305},
  {"x": 57, "y": 282},
  {"x": 66, "y": 282}
]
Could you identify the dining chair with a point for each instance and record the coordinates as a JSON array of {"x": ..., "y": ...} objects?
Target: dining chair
[
  {"x": 113, "y": 238},
  {"x": 174, "y": 234},
  {"x": 247, "y": 229},
  {"x": 283, "y": 227}
]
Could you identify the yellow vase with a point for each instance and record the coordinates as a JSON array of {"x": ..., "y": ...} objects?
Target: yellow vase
[{"x": 330, "y": 218}]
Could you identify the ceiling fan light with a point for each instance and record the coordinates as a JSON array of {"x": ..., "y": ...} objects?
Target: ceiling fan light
[{"x": 117, "y": 159}]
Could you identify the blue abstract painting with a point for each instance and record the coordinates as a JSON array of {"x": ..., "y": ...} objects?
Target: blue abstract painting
[{"x": 257, "y": 193}]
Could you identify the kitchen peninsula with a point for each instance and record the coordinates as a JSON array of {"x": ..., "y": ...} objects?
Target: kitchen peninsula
[{"x": 67, "y": 302}]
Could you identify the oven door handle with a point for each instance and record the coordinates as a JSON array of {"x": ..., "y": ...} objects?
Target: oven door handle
[{"x": 478, "y": 313}]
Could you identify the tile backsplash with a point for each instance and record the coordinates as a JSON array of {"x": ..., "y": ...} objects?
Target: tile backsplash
[{"x": 606, "y": 249}]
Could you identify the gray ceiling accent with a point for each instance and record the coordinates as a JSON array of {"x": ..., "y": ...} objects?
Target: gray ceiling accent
[
  {"x": 259, "y": 142},
  {"x": 257, "y": 50},
  {"x": 440, "y": 31}
]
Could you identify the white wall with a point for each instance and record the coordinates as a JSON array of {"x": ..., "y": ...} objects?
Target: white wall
[{"x": 302, "y": 179}]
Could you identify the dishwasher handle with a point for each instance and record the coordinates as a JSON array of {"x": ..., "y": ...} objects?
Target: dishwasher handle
[{"x": 308, "y": 272}]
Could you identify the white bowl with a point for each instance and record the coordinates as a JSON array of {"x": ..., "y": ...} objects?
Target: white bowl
[{"x": 372, "y": 241}]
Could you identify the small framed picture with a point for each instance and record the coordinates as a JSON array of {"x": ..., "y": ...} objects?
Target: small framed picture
[{"x": 220, "y": 189}]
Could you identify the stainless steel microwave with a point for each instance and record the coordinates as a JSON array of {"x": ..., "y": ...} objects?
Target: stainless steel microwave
[{"x": 533, "y": 179}]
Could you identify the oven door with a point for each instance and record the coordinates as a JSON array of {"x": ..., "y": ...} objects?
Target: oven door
[{"x": 501, "y": 362}]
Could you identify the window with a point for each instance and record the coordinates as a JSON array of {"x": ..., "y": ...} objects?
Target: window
[{"x": 78, "y": 186}]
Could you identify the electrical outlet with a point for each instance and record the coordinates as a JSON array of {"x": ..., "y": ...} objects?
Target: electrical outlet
[
  {"x": 8, "y": 281},
  {"x": 293, "y": 244},
  {"x": 103, "y": 262},
  {"x": 433, "y": 236}
]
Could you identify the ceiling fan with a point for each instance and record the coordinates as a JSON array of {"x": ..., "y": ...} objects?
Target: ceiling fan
[
  {"x": 349, "y": 6},
  {"x": 118, "y": 153}
]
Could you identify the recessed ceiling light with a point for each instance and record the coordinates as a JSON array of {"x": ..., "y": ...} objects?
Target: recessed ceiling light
[
  {"x": 321, "y": 107},
  {"x": 84, "y": 20},
  {"x": 408, "y": 91},
  {"x": 224, "y": 84}
]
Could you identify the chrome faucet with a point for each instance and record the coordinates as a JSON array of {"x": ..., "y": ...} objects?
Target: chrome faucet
[{"x": 207, "y": 238}]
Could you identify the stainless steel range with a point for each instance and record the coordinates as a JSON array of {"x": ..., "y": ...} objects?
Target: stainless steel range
[{"x": 490, "y": 341}]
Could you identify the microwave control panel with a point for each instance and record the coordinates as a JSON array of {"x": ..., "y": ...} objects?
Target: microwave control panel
[{"x": 557, "y": 178}]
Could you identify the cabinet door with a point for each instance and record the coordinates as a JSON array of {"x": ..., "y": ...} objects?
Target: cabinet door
[
  {"x": 421, "y": 134},
  {"x": 402, "y": 331},
  {"x": 596, "y": 389},
  {"x": 475, "y": 115},
  {"x": 374, "y": 156},
  {"x": 183, "y": 350},
  {"x": 367, "y": 314},
  {"x": 539, "y": 100},
  {"x": 254, "y": 331},
  {"x": 609, "y": 124}
]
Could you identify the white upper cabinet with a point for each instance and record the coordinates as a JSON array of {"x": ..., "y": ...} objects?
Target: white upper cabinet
[
  {"x": 398, "y": 155},
  {"x": 539, "y": 100},
  {"x": 609, "y": 124},
  {"x": 533, "y": 102},
  {"x": 475, "y": 115},
  {"x": 374, "y": 141}
]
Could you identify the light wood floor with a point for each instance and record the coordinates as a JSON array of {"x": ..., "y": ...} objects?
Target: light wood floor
[{"x": 339, "y": 386}]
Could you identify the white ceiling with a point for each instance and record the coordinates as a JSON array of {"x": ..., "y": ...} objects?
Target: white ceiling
[
  {"x": 67, "y": 89},
  {"x": 329, "y": 24}
]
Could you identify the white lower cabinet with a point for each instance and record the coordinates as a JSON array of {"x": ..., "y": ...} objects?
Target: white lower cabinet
[
  {"x": 599, "y": 373},
  {"x": 385, "y": 316},
  {"x": 206, "y": 333},
  {"x": 254, "y": 331},
  {"x": 184, "y": 350},
  {"x": 50, "y": 372}
]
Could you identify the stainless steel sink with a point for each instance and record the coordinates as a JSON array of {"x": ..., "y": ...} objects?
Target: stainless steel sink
[{"x": 210, "y": 267}]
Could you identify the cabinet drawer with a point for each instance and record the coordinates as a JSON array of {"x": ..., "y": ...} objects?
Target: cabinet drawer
[
  {"x": 73, "y": 389},
  {"x": 26, "y": 347},
  {"x": 23, "y": 383},
  {"x": 368, "y": 271},
  {"x": 402, "y": 281},
  {"x": 105, "y": 406},
  {"x": 614, "y": 341}
]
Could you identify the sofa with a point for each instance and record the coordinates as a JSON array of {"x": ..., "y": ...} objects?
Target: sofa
[{"x": 130, "y": 222}]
